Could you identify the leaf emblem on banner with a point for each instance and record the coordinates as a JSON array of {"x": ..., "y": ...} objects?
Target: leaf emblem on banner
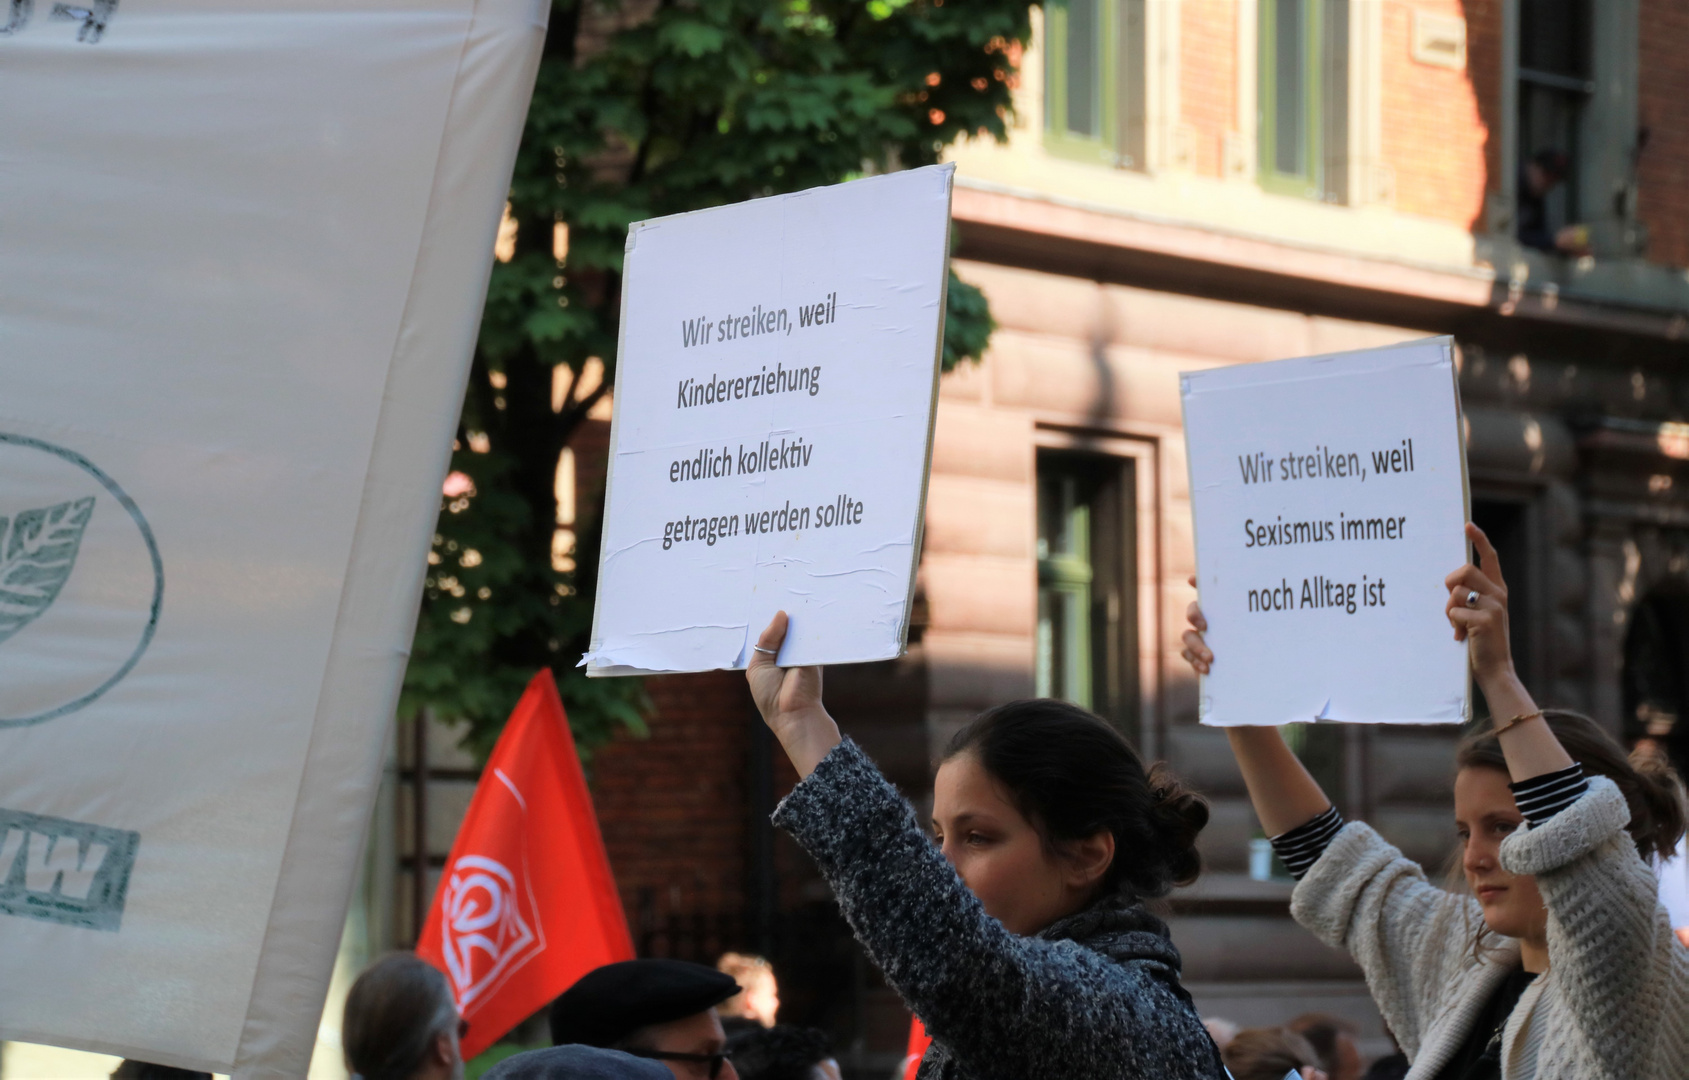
[{"x": 37, "y": 551}]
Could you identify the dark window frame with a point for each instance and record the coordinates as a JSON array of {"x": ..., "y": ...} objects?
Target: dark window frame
[
  {"x": 1088, "y": 582},
  {"x": 1555, "y": 91}
]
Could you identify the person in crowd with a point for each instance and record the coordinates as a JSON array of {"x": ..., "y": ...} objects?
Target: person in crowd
[
  {"x": 784, "y": 1052},
  {"x": 1020, "y": 938},
  {"x": 1538, "y": 177},
  {"x": 661, "y": 1010},
  {"x": 144, "y": 1070},
  {"x": 1560, "y": 961},
  {"x": 401, "y": 1024},
  {"x": 759, "y": 999},
  {"x": 576, "y": 1063},
  {"x": 1272, "y": 1054},
  {"x": 1333, "y": 1039}
]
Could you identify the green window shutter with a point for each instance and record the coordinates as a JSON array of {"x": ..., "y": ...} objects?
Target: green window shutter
[
  {"x": 1303, "y": 97},
  {"x": 1064, "y": 590},
  {"x": 1094, "y": 81}
]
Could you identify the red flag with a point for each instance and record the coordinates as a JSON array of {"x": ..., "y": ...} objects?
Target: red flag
[
  {"x": 526, "y": 904},
  {"x": 919, "y": 1040}
]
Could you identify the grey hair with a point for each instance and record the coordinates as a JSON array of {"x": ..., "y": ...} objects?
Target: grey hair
[{"x": 394, "y": 1011}]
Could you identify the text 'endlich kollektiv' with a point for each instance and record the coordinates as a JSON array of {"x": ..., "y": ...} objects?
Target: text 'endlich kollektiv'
[{"x": 770, "y": 455}]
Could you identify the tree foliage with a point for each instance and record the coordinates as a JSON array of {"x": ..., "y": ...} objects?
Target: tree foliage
[{"x": 643, "y": 109}]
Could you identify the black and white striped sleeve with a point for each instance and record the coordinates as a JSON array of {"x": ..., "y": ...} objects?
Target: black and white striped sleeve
[
  {"x": 1541, "y": 797},
  {"x": 1301, "y": 847}
]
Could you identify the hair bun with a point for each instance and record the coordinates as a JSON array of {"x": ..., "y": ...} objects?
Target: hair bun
[
  {"x": 1660, "y": 795},
  {"x": 1182, "y": 814}
]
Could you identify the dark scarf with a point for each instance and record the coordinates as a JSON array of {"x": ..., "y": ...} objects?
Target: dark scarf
[{"x": 1120, "y": 928}]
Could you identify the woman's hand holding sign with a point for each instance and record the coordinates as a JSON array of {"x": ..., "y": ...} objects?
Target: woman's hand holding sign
[
  {"x": 1196, "y": 651},
  {"x": 1477, "y": 608},
  {"x": 790, "y": 701}
]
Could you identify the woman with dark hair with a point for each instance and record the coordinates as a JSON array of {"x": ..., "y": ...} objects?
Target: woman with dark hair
[
  {"x": 1021, "y": 939},
  {"x": 401, "y": 1024},
  {"x": 1559, "y": 964}
]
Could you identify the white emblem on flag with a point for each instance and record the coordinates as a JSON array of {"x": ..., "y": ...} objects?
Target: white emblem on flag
[{"x": 483, "y": 934}]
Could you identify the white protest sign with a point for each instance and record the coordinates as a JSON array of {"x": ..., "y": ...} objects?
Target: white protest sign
[
  {"x": 773, "y": 426},
  {"x": 243, "y": 250},
  {"x": 1329, "y": 496}
]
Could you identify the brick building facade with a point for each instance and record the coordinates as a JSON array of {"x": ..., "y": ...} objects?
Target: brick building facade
[{"x": 1200, "y": 182}]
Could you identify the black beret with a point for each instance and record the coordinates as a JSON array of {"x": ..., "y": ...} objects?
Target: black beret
[
  {"x": 610, "y": 1003},
  {"x": 577, "y": 1063}
]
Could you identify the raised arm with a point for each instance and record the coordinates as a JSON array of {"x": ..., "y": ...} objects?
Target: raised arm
[
  {"x": 1003, "y": 1005},
  {"x": 1284, "y": 793},
  {"x": 1477, "y": 606},
  {"x": 790, "y": 701}
]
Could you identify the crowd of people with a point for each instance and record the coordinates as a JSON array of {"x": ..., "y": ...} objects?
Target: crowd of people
[
  {"x": 1018, "y": 931},
  {"x": 662, "y": 1019}
]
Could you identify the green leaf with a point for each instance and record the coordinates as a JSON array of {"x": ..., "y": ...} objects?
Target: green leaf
[
  {"x": 37, "y": 552},
  {"x": 967, "y": 323},
  {"x": 693, "y": 38}
]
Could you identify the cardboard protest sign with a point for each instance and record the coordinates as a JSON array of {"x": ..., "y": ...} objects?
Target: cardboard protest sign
[
  {"x": 243, "y": 258},
  {"x": 773, "y": 427},
  {"x": 1329, "y": 496}
]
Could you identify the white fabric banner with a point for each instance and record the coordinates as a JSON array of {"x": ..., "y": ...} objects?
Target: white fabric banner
[
  {"x": 1328, "y": 495},
  {"x": 242, "y": 257}
]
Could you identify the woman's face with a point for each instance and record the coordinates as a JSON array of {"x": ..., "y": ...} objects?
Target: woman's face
[
  {"x": 1001, "y": 857},
  {"x": 1485, "y": 815}
]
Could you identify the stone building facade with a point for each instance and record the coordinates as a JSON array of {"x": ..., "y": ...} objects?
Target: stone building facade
[{"x": 1192, "y": 183}]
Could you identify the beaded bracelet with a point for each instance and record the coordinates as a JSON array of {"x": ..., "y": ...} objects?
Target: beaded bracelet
[{"x": 1517, "y": 720}]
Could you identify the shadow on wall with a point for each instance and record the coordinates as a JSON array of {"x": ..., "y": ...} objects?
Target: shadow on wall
[
  {"x": 1102, "y": 332},
  {"x": 1484, "y": 45}
]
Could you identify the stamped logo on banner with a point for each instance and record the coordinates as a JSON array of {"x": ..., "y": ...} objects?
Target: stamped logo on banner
[
  {"x": 81, "y": 581},
  {"x": 64, "y": 871}
]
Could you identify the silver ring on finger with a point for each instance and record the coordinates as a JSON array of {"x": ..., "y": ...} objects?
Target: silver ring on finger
[
  {"x": 766, "y": 652},
  {"x": 1472, "y": 599}
]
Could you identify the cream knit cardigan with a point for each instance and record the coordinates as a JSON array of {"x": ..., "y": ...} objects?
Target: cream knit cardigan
[{"x": 1615, "y": 1000}]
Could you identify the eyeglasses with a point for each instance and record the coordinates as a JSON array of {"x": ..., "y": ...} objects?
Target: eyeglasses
[{"x": 714, "y": 1061}]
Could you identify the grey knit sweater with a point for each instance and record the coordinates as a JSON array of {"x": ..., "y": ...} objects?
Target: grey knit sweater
[
  {"x": 1094, "y": 997},
  {"x": 1614, "y": 1002}
]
